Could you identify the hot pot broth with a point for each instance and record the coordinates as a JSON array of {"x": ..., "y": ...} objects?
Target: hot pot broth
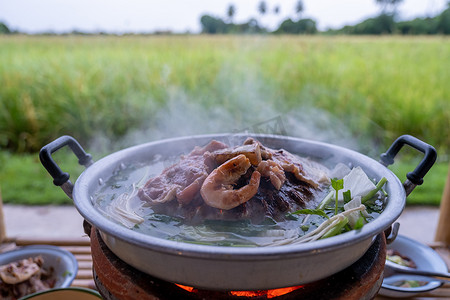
[{"x": 117, "y": 199}]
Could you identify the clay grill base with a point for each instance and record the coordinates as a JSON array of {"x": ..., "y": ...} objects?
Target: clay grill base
[{"x": 117, "y": 280}]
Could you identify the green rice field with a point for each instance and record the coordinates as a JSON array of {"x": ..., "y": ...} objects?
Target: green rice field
[{"x": 111, "y": 92}]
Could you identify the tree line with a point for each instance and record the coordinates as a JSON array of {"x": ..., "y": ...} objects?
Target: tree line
[{"x": 384, "y": 23}]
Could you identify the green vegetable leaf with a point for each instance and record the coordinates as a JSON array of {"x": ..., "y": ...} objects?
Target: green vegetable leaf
[
  {"x": 336, "y": 229},
  {"x": 364, "y": 217},
  {"x": 359, "y": 223},
  {"x": 373, "y": 192},
  {"x": 337, "y": 184},
  {"x": 318, "y": 212},
  {"x": 291, "y": 217},
  {"x": 67, "y": 273},
  {"x": 347, "y": 196},
  {"x": 326, "y": 200}
]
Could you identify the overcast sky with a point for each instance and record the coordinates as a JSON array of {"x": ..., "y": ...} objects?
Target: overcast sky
[{"x": 118, "y": 16}]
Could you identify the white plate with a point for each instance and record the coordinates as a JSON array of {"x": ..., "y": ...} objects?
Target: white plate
[
  {"x": 424, "y": 257},
  {"x": 63, "y": 262}
]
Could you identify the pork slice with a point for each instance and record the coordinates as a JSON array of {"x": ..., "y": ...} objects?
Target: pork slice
[
  {"x": 19, "y": 271},
  {"x": 182, "y": 180},
  {"x": 303, "y": 169},
  {"x": 251, "y": 151}
]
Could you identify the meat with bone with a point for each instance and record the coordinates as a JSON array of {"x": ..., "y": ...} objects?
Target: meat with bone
[{"x": 248, "y": 181}]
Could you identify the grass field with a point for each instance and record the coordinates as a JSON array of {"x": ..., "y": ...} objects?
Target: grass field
[{"x": 112, "y": 92}]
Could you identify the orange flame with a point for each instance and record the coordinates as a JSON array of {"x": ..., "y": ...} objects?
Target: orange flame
[
  {"x": 269, "y": 293},
  {"x": 185, "y": 287}
]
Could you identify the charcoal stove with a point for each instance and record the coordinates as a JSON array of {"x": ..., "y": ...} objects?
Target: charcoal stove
[{"x": 117, "y": 280}]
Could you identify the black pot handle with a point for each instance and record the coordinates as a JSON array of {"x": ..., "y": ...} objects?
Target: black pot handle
[
  {"x": 61, "y": 178},
  {"x": 415, "y": 177}
]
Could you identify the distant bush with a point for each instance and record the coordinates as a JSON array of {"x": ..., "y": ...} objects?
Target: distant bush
[
  {"x": 302, "y": 26},
  {"x": 443, "y": 24},
  {"x": 252, "y": 26},
  {"x": 386, "y": 24},
  {"x": 4, "y": 29},
  {"x": 383, "y": 24},
  {"x": 212, "y": 25},
  {"x": 437, "y": 25},
  {"x": 418, "y": 26}
]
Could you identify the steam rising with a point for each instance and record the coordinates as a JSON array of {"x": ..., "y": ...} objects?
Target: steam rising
[{"x": 236, "y": 103}]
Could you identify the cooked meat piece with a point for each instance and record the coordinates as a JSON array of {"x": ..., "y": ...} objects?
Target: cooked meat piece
[
  {"x": 19, "y": 271},
  {"x": 210, "y": 147},
  {"x": 279, "y": 181},
  {"x": 20, "y": 278},
  {"x": 301, "y": 168},
  {"x": 217, "y": 190},
  {"x": 273, "y": 171},
  {"x": 265, "y": 154},
  {"x": 251, "y": 151},
  {"x": 268, "y": 202},
  {"x": 183, "y": 180}
]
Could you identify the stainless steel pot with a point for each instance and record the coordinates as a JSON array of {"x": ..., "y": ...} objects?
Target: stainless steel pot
[{"x": 229, "y": 268}]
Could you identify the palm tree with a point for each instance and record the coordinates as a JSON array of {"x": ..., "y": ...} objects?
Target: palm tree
[
  {"x": 276, "y": 9},
  {"x": 299, "y": 7},
  {"x": 385, "y": 4},
  {"x": 262, "y": 7},
  {"x": 231, "y": 11}
]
